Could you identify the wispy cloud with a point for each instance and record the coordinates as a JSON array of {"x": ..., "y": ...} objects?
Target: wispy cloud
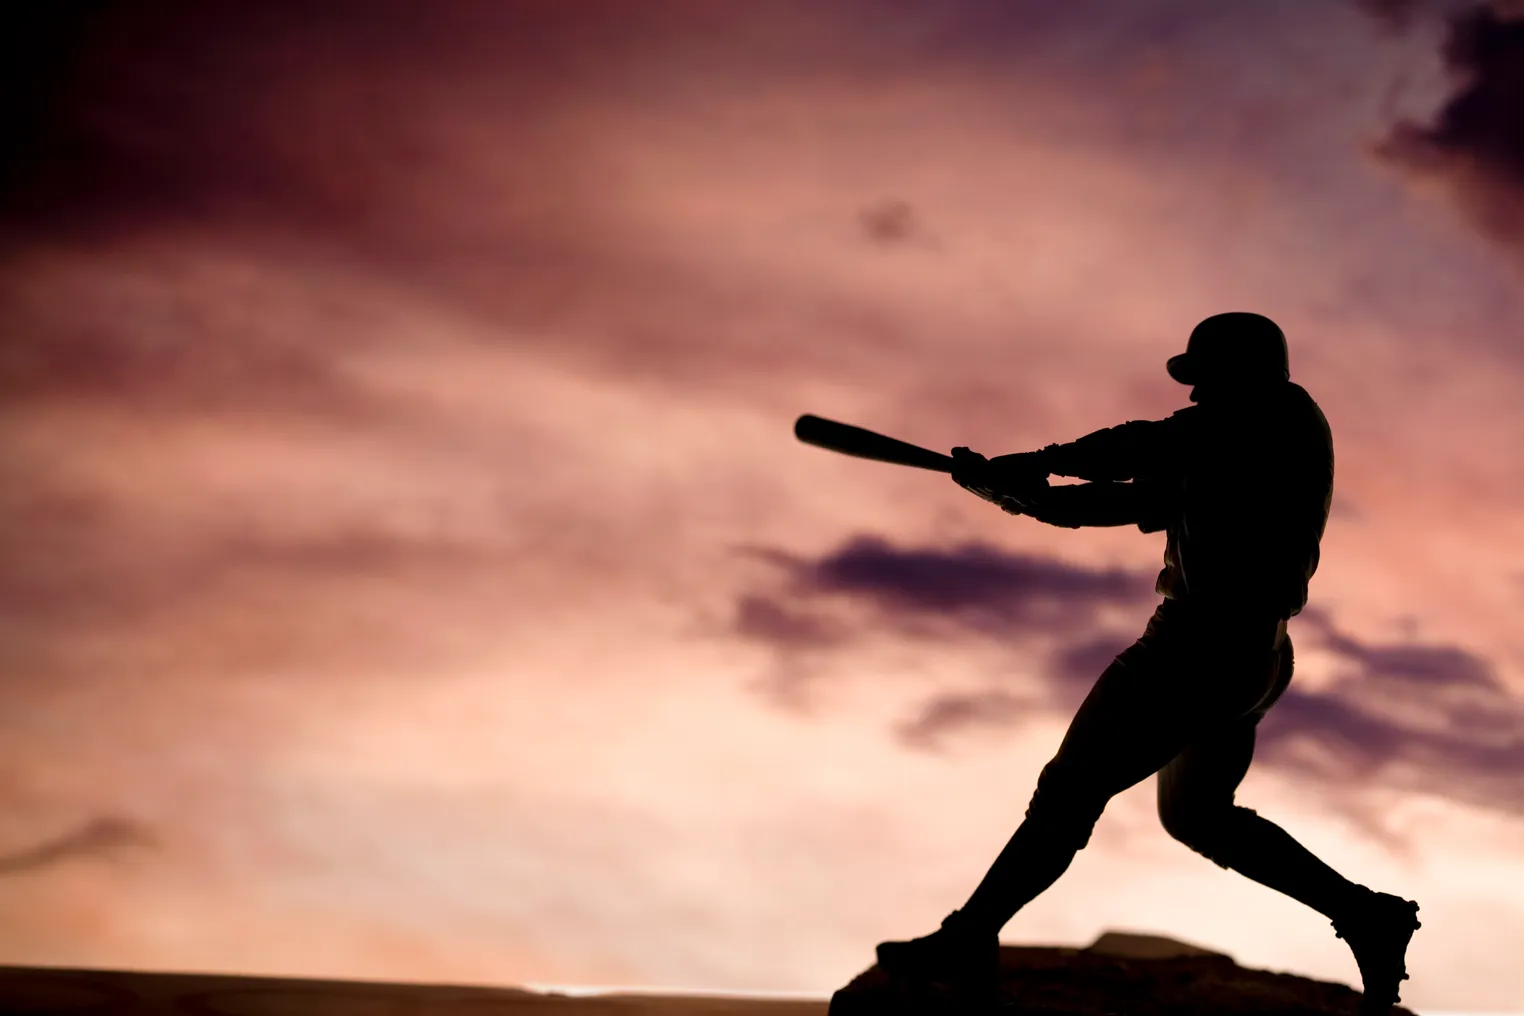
[{"x": 102, "y": 836}]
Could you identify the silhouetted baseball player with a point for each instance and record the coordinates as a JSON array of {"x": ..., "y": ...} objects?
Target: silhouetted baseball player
[{"x": 1241, "y": 483}]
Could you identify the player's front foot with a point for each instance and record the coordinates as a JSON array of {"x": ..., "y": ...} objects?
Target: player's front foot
[
  {"x": 1378, "y": 927},
  {"x": 956, "y": 957}
]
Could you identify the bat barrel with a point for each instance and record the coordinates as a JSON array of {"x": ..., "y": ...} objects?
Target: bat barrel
[{"x": 866, "y": 444}]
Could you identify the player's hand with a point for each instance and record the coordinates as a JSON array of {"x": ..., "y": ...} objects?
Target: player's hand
[
  {"x": 1020, "y": 479},
  {"x": 971, "y": 471},
  {"x": 1008, "y": 481},
  {"x": 1019, "y": 471}
]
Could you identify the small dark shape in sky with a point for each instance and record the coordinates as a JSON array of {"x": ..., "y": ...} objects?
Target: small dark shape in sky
[
  {"x": 890, "y": 222},
  {"x": 99, "y": 836}
]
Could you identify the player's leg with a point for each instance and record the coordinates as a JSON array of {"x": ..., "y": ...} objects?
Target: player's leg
[
  {"x": 1163, "y": 692},
  {"x": 1129, "y": 726},
  {"x": 1196, "y": 791},
  {"x": 1142, "y": 711},
  {"x": 1123, "y": 733}
]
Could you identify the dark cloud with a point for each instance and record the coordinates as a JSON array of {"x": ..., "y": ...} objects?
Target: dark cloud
[
  {"x": 762, "y": 618},
  {"x": 322, "y": 116},
  {"x": 119, "y": 109},
  {"x": 140, "y": 110},
  {"x": 130, "y": 119},
  {"x": 1477, "y": 138},
  {"x": 451, "y": 154},
  {"x": 41, "y": 46},
  {"x": 102, "y": 836},
  {"x": 281, "y": 133},
  {"x": 974, "y": 587},
  {"x": 868, "y": 586}
]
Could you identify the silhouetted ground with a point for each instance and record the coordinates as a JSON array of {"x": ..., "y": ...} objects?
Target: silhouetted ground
[
  {"x": 1136, "y": 975},
  {"x": 1121, "y": 974},
  {"x": 31, "y": 991}
]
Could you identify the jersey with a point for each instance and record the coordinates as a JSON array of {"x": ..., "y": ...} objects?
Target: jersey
[{"x": 1241, "y": 485}]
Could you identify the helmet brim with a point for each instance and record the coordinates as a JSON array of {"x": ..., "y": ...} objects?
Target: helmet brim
[{"x": 1181, "y": 369}]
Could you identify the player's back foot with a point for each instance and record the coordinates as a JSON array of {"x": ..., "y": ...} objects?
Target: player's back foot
[
  {"x": 955, "y": 957},
  {"x": 1378, "y": 928}
]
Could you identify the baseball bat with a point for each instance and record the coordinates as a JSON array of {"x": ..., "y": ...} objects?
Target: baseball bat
[{"x": 865, "y": 444}]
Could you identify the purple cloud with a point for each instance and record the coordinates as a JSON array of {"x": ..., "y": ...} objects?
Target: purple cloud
[
  {"x": 974, "y": 587},
  {"x": 975, "y": 590},
  {"x": 1477, "y": 138}
]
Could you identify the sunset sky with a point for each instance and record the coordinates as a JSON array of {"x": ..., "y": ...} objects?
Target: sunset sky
[{"x": 407, "y": 569}]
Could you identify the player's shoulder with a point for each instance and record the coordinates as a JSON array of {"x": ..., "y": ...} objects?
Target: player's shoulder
[
  {"x": 1296, "y": 393},
  {"x": 1306, "y": 409},
  {"x": 1298, "y": 401}
]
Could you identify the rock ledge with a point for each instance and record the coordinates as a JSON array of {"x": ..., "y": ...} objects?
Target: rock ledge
[{"x": 1119, "y": 974}]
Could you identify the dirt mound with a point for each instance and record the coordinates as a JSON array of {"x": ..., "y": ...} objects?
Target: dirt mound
[{"x": 1120, "y": 974}]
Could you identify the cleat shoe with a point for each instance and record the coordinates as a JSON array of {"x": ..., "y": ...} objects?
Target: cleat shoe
[
  {"x": 955, "y": 957},
  {"x": 1378, "y": 928}
]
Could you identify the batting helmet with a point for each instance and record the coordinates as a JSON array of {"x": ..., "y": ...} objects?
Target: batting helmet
[{"x": 1237, "y": 346}]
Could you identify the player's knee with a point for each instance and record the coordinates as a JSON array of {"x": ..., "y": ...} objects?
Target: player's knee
[
  {"x": 1065, "y": 809},
  {"x": 1188, "y": 818},
  {"x": 1068, "y": 826},
  {"x": 1187, "y": 826},
  {"x": 1208, "y": 830}
]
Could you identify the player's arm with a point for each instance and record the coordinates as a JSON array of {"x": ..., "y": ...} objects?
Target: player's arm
[
  {"x": 1124, "y": 452},
  {"x": 1142, "y": 503},
  {"x": 1021, "y": 488}
]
